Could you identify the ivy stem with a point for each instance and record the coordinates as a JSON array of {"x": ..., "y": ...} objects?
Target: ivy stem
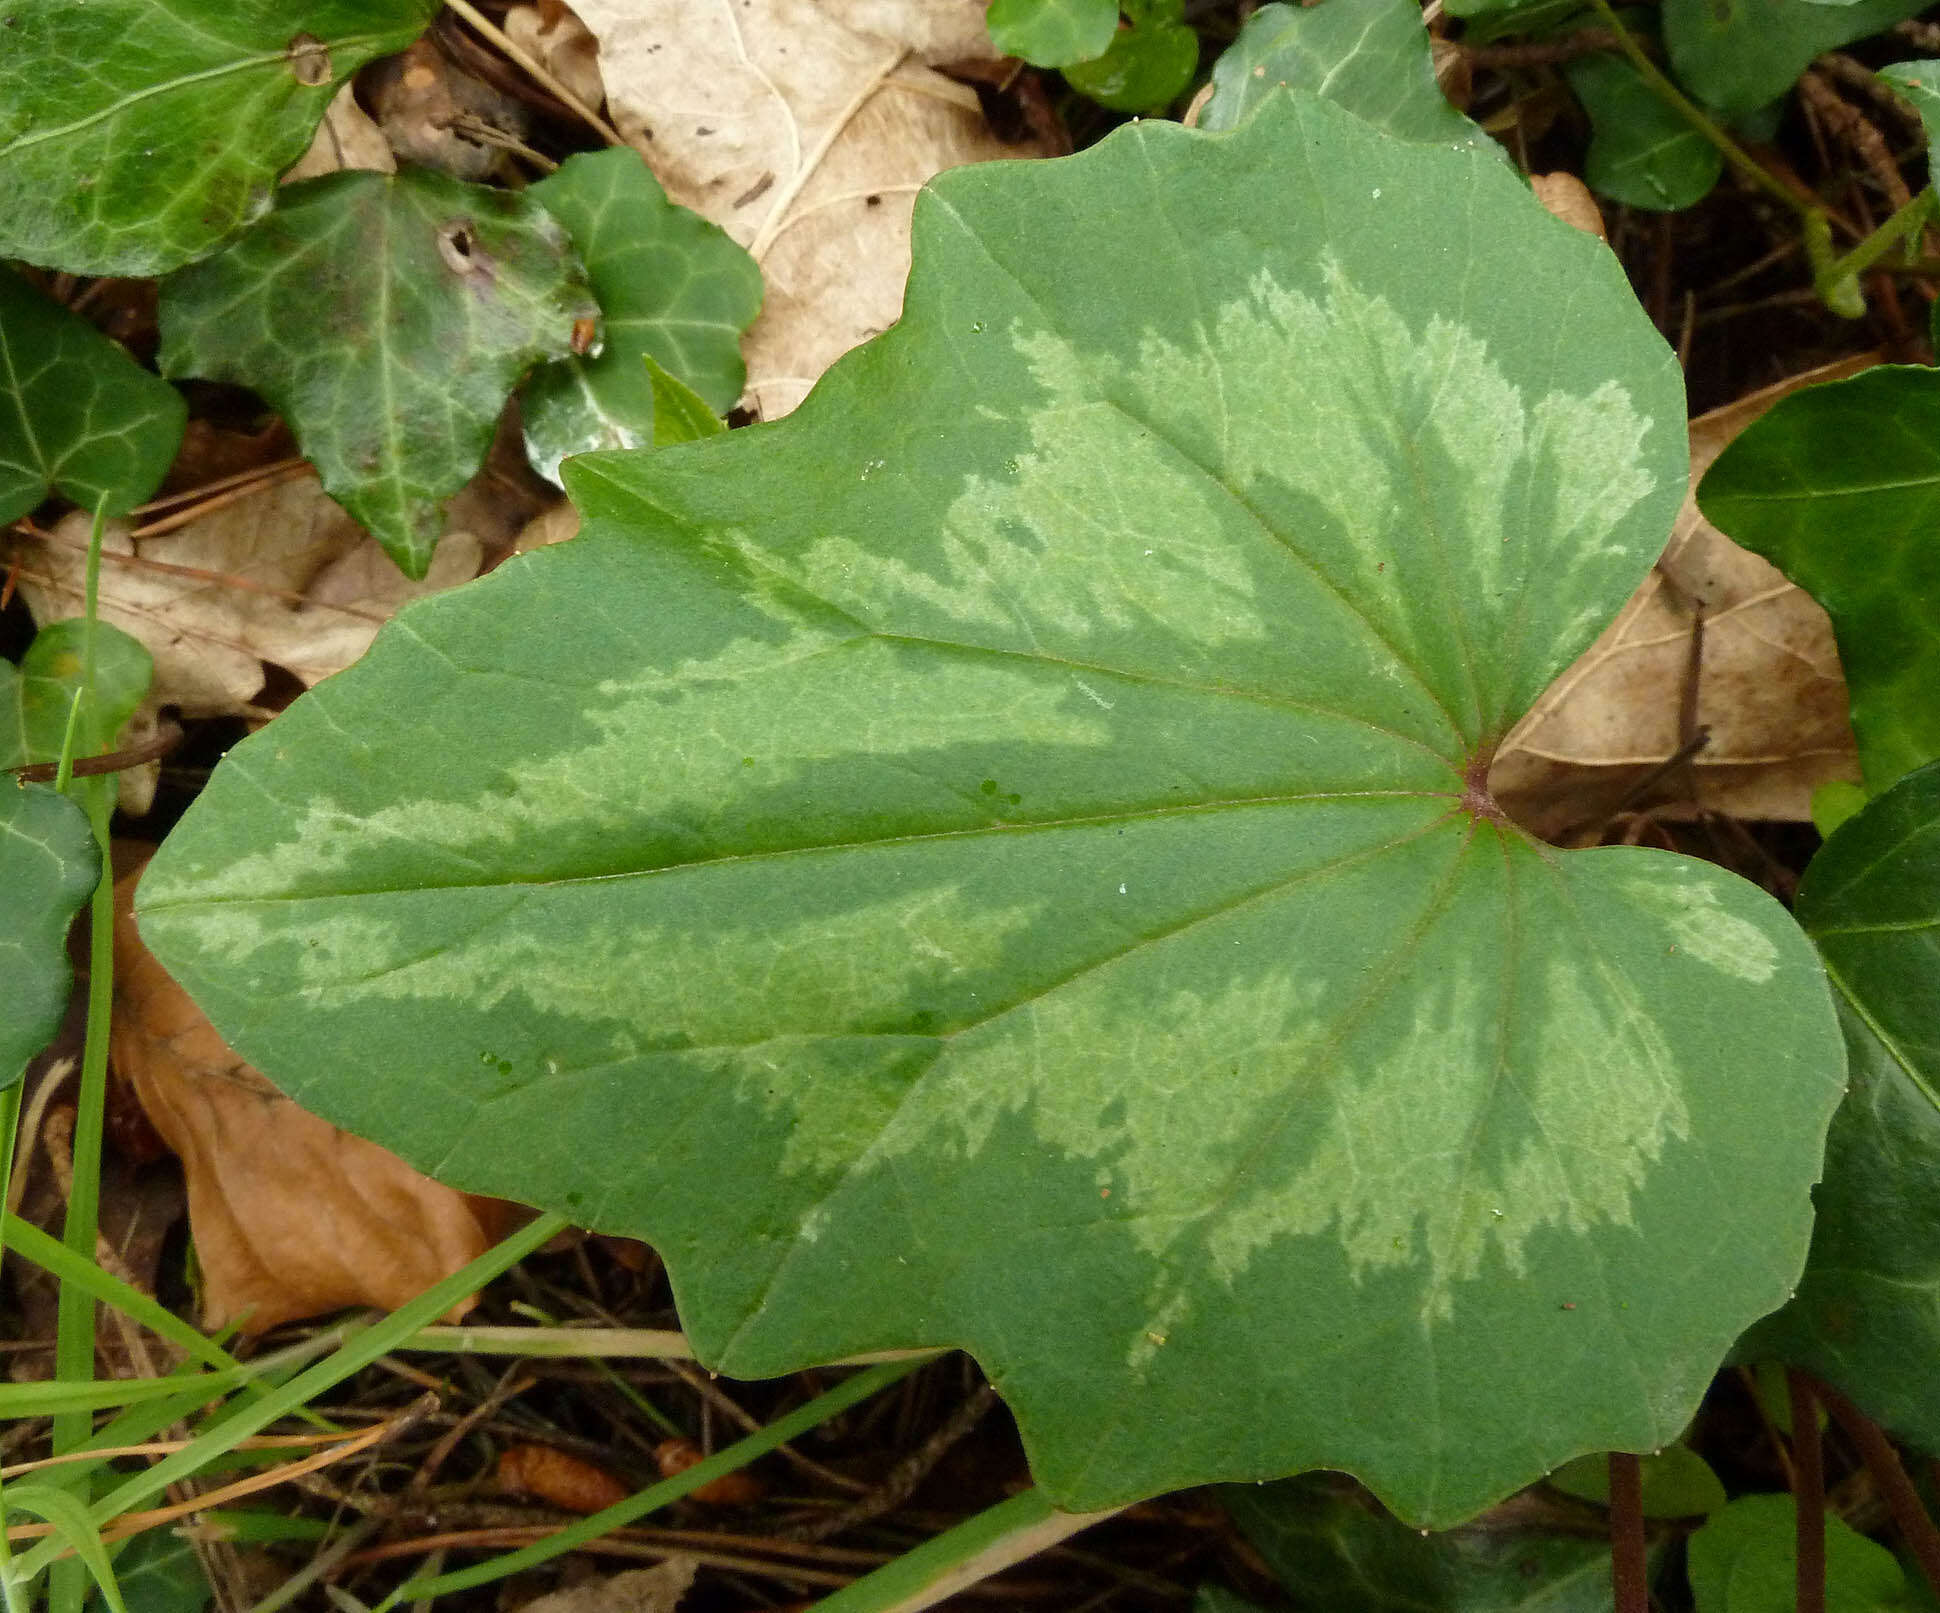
[
  {"x": 1916, "y": 1528},
  {"x": 1840, "y": 277},
  {"x": 1808, "y": 1493},
  {"x": 1629, "y": 1574}
]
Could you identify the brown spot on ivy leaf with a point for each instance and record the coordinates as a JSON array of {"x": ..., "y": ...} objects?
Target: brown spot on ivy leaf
[
  {"x": 309, "y": 60},
  {"x": 291, "y": 1217}
]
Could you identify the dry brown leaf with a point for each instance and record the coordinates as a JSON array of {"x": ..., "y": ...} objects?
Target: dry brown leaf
[
  {"x": 567, "y": 1482},
  {"x": 639, "y": 1590},
  {"x": 347, "y": 138},
  {"x": 1769, "y": 687},
  {"x": 1570, "y": 200},
  {"x": 291, "y": 1217},
  {"x": 556, "y": 39},
  {"x": 804, "y": 128},
  {"x": 322, "y": 589}
]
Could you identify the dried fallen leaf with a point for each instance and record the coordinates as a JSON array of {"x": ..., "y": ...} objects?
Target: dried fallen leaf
[
  {"x": 291, "y": 1217},
  {"x": 1570, "y": 200},
  {"x": 1768, "y": 688},
  {"x": 347, "y": 138},
  {"x": 639, "y": 1590},
  {"x": 555, "y": 38},
  {"x": 566, "y": 1482},
  {"x": 804, "y": 128}
]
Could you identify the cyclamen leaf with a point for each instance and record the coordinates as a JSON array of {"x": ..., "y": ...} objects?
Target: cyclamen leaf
[
  {"x": 1745, "y": 1561},
  {"x": 1642, "y": 152},
  {"x": 48, "y": 866},
  {"x": 1053, "y": 33},
  {"x": 78, "y": 416},
  {"x": 1369, "y": 56},
  {"x": 671, "y": 286},
  {"x": 1737, "y": 56},
  {"x": 386, "y": 318},
  {"x": 1866, "y": 1316},
  {"x": 136, "y": 136},
  {"x": 1839, "y": 487},
  {"x": 1000, "y": 857}
]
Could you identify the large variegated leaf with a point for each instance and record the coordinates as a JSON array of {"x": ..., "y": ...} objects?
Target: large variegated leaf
[{"x": 1002, "y": 857}]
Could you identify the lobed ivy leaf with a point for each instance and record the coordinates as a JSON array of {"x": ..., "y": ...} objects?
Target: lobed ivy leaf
[
  {"x": 1002, "y": 857},
  {"x": 1867, "y": 1315},
  {"x": 1330, "y": 1549},
  {"x": 386, "y": 318},
  {"x": 1738, "y": 56},
  {"x": 36, "y": 696},
  {"x": 671, "y": 287},
  {"x": 1642, "y": 152},
  {"x": 78, "y": 416},
  {"x": 1745, "y": 1560},
  {"x": 1839, "y": 487},
  {"x": 1369, "y": 56},
  {"x": 1053, "y": 33},
  {"x": 136, "y": 135},
  {"x": 679, "y": 415},
  {"x": 48, "y": 867}
]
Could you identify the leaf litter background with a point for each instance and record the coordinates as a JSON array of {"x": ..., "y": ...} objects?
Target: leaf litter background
[{"x": 810, "y": 156}]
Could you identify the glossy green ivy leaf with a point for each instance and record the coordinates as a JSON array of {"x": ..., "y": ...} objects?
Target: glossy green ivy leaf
[
  {"x": 1332, "y": 1549},
  {"x": 78, "y": 416},
  {"x": 36, "y": 696},
  {"x": 671, "y": 286},
  {"x": 1370, "y": 56},
  {"x": 1867, "y": 1315},
  {"x": 1745, "y": 1561},
  {"x": 1147, "y": 65},
  {"x": 1740, "y": 55},
  {"x": 1000, "y": 857},
  {"x": 48, "y": 866},
  {"x": 1919, "y": 82},
  {"x": 386, "y": 318},
  {"x": 1839, "y": 487},
  {"x": 159, "y": 1572},
  {"x": 1642, "y": 152},
  {"x": 1677, "y": 1482},
  {"x": 136, "y": 136},
  {"x": 679, "y": 414},
  {"x": 1053, "y": 33}
]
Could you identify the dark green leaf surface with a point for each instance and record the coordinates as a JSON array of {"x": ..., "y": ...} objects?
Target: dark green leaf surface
[
  {"x": 36, "y": 697},
  {"x": 1053, "y": 33},
  {"x": 1745, "y": 1561},
  {"x": 48, "y": 865},
  {"x": 159, "y": 1572},
  {"x": 386, "y": 318},
  {"x": 1369, "y": 56},
  {"x": 1919, "y": 82},
  {"x": 1677, "y": 1482},
  {"x": 1739, "y": 55},
  {"x": 1867, "y": 1315},
  {"x": 1839, "y": 487},
  {"x": 1641, "y": 151},
  {"x": 1331, "y": 1550},
  {"x": 997, "y": 857},
  {"x": 671, "y": 286},
  {"x": 1147, "y": 65},
  {"x": 78, "y": 416},
  {"x": 136, "y": 136}
]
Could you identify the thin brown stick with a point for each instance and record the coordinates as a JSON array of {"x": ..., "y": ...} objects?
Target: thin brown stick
[
  {"x": 1629, "y": 1574},
  {"x": 168, "y": 734},
  {"x": 1541, "y": 52},
  {"x": 1883, "y": 1462},
  {"x": 905, "y": 1476},
  {"x": 1808, "y": 1492}
]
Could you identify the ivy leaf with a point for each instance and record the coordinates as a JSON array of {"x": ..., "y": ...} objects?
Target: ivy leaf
[
  {"x": 1370, "y": 56},
  {"x": 1919, "y": 82},
  {"x": 1330, "y": 1549},
  {"x": 1147, "y": 65},
  {"x": 1642, "y": 152},
  {"x": 671, "y": 286},
  {"x": 48, "y": 867},
  {"x": 1740, "y": 55},
  {"x": 1865, "y": 1317},
  {"x": 386, "y": 318},
  {"x": 1677, "y": 1482},
  {"x": 136, "y": 136},
  {"x": 1007, "y": 860},
  {"x": 1053, "y": 33},
  {"x": 36, "y": 696},
  {"x": 78, "y": 416},
  {"x": 1839, "y": 487},
  {"x": 1745, "y": 1561},
  {"x": 679, "y": 415}
]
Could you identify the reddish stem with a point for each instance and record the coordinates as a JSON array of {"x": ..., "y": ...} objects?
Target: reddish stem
[
  {"x": 1629, "y": 1576},
  {"x": 1916, "y": 1527},
  {"x": 1808, "y": 1491}
]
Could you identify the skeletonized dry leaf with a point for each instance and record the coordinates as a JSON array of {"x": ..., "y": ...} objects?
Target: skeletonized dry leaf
[
  {"x": 1768, "y": 683},
  {"x": 291, "y": 1217},
  {"x": 282, "y": 575},
  {"x": 658, "y": 1589},
  {"x": 804, "y": 128}
]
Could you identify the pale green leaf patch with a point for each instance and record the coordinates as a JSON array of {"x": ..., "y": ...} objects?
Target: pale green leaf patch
[{"x": 1003, "y": 857}]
